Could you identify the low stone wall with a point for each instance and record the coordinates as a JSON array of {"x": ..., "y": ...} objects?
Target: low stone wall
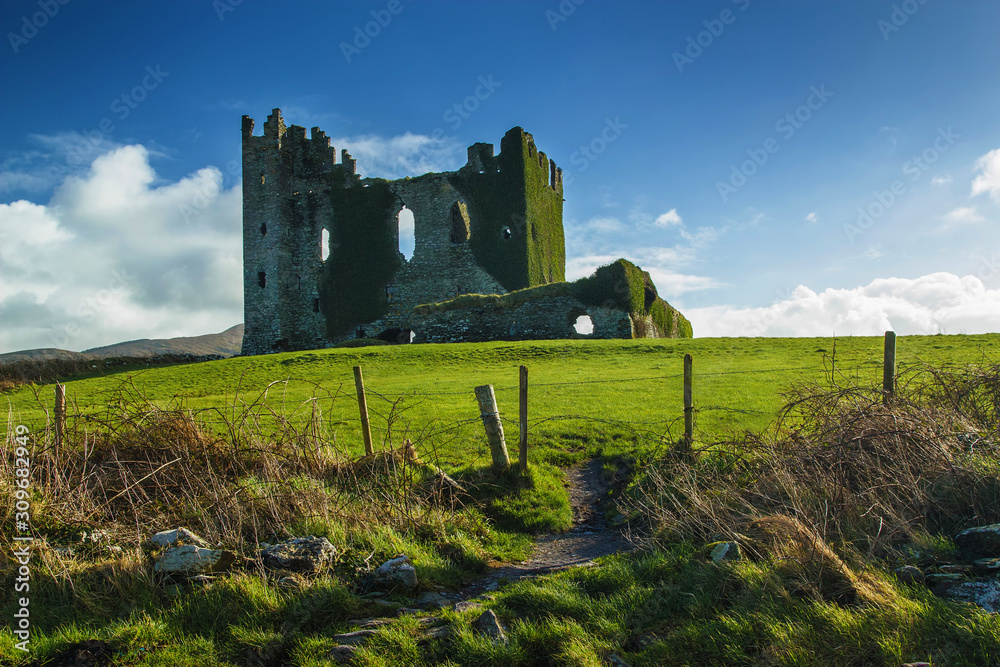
[{"x": 539, "y": 319}]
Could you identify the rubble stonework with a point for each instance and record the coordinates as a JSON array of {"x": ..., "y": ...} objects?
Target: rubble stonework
[{"x": 492, "y": 227}]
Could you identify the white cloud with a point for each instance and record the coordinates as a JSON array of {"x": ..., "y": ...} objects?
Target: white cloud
[
  {"x": 605, "y": 225},
  {"x": 811, "y": 218},
  {"x": 988, "y": 178},
  {"x": 669, "y": 219},
  {"x": 117, "y": 255},
  {"x": 961, "y": 215},
  {"x": 404, "y": 155},
  {"x": 944, "y": 179},
  {"x": 935, "y": 303}
]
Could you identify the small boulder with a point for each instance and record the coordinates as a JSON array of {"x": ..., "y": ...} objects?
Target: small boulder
[
  {"x": 984, "y": 593},
  {"x": 980, "y": 542},
  {"x": 300, "y": 554},
  {"x": 488, "y": 624},
  {"x": 434, "y": 601},
  {"x": 397, "y": 572},
  {"x": 908, "y": 574},
  {"x": 176, "y": 537},
  {"x": 468, "y": 605},
  {"x": 722, "y": 551},
  {"x": 354, "y": 638},
  {"x": 342, "y": 654},
  {"x": 188, "y": 560},
  {"x": 987, "y": 565}
]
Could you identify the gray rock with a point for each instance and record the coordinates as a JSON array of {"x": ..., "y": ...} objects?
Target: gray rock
[
  {"x": 935, "y": 579},
  {"x": 178, "y": 536},
  {"x": 434, "y": 600},
  {"x": 987, "y": 565},
  {"x": 397, "y": 572},
  {"x": 488, "y": 624},
  {"x": 188, "y": 560},
  {"x": 980, "y": 542},
  {"x": 342, "y": 654},
  {"x": 615, "y": 660},
  {"x": 954, "y": 569},
  {"x": 300, "y": 554},
  {"x": 370, "y": 623},
  {"x": 984, "y": 593},
  {"x": 468, "y": 605},
  {"x": 722, "y": 551},
  {"x": 908, "y": 574},
  {"x": 353, "y": 638}
]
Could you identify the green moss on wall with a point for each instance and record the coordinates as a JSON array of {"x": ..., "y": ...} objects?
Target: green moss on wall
[
  {"x": 364, "y": 254},
  {"x": 624, "y": 285},
  {"x": 621, "y": 285},
  {"x": 516, "y": 218}
]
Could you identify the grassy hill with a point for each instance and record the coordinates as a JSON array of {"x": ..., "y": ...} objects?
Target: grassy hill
[{"x": 225, "y": 344}]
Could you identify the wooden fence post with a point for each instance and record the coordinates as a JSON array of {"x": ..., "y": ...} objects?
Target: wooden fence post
[
  {"x": 688, "y": 401},
  {"x": 60, "y": 413},
  {"x": 494, "y": 428},
  {"x": 889, "y": 368},
  {"x": 523, "y": 423},
  {"x": 366, "y": 428}
]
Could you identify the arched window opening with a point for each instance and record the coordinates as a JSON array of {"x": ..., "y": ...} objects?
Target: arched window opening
[
  {"x": 507, "y": 233},
  {"x": 407, "y": 240},
  {"x": 324, "y": 244},
  {"x": 584, "y": 325},
  {"x": 263, "y": 229},
  {"x": 262, "y": 279},
  {"x": 459, "y": 222}
]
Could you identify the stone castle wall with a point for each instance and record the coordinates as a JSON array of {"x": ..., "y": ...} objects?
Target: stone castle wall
[{"x": 492, "y": 227}]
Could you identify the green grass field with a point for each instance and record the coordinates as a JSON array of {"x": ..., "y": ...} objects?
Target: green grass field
[{"x": 585, "y": 396}]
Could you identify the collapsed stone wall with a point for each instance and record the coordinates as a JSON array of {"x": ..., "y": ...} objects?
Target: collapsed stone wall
[{"x": 544, "y": 318}]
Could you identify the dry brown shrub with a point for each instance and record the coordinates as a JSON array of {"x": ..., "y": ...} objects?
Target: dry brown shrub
[
  {"x": 233, "y": 476},
  {"x": 864, "y": 477}
]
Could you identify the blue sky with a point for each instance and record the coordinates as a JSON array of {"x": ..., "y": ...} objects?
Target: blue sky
[{"x": 780, "y": 167}]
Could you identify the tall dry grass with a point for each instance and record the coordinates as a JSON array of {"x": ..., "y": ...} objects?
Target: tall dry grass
[
  {"x": 868, "y": 478},
  {"x": 239, "y": 475}
]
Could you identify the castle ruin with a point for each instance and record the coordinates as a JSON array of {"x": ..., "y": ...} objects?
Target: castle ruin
[{"x": 322, "y": 263}]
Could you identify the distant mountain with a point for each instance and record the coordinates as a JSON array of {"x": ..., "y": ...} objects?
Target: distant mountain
[{"x": 225, "y": 344}]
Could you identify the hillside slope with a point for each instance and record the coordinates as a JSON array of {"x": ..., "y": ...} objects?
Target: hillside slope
[{"x": 224, "y": 344}]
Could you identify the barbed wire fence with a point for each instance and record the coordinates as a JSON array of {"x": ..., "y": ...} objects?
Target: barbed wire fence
[{"x": 437, "y": 439}]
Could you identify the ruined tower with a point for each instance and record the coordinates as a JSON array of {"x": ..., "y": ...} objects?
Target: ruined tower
[{"x": 321, "y": 244}]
